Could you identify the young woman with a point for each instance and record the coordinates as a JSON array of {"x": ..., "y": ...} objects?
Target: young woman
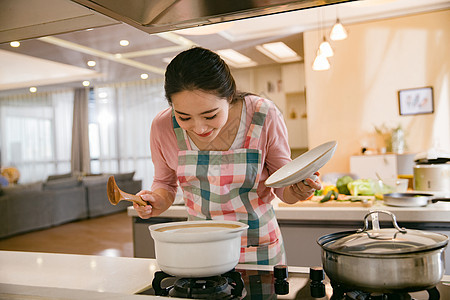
[{"x": 220, "y": 146}]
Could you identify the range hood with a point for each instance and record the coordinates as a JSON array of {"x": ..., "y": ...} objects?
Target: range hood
[{"x": 155, "y": 16}]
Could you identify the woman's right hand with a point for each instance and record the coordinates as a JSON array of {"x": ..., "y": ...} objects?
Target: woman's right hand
[{"x": 156, "y": 204}]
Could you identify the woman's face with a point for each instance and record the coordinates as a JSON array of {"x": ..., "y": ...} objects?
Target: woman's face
[{"x": 201, "y": 114}]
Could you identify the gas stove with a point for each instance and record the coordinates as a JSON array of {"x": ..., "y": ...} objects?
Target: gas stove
[{"x": 250, "y": 282}]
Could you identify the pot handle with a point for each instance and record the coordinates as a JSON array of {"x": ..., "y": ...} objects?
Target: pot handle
[{"x": 366, "y": 222}]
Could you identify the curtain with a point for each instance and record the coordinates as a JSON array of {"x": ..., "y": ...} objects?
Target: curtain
[
  {"x": 35, "y": 133},
  {"x": 120, "y": 127},
  {"x": 80, "y": 133}
]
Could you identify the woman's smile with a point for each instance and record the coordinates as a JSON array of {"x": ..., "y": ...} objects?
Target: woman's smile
[{"x": 206, "y": 134}]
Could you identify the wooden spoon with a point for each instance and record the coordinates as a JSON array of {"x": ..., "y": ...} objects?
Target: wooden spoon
[{"x": 115, "y": 195}]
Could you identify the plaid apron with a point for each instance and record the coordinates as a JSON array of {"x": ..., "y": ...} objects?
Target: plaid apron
[{"x": 222, "y": 185}]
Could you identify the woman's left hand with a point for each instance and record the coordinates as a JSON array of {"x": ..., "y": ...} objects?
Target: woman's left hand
[{"x": 304, "y": 189}]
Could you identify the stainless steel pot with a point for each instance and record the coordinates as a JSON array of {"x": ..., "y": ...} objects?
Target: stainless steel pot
[
  {"x": 411, "y": 199},
  {"x": 197, "y": 248},
  {"x": 388, "y": 260}
]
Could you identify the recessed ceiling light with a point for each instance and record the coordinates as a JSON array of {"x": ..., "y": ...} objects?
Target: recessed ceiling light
[
  {"x": 279, "y": 52},
  {"x": 14, "y": 44},
  {"x": 124, "y": 43},
  {"x": 33, "y": 89},
  {"x": 144, "y": 76},
  {"x": 236, "y": 59},
  {"x": 91, "y": 63},
  {"x": 86, "y": 83}
]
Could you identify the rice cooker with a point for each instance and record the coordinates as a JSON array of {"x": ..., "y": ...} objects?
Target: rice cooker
[{"x": 432, "y": 173}]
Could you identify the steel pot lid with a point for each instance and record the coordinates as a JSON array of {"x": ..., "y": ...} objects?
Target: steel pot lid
[{"x": 386, "y": 241}]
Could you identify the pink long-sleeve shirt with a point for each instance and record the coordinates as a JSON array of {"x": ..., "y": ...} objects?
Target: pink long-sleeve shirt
[{"x": 275, "y": 151}]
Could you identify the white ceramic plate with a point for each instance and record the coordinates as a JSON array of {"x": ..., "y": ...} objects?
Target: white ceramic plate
[{"x": 303, "y": 166}]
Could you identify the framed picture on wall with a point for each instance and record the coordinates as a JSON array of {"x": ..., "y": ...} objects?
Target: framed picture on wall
[{"x": 416, "y": 101}]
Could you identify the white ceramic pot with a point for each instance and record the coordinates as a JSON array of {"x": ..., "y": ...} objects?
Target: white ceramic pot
[{"x": 197, "y": 248}]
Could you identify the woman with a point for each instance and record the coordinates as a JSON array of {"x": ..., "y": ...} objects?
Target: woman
[{"x": 220, "y": 145}]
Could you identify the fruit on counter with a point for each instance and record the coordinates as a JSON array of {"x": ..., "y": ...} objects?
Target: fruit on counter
[
  {"x": 342, "y": 184},
  {"x": 361, "y": 187}
]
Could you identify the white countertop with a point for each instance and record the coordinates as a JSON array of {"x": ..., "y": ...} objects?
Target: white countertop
[
  {"x": 68, "y": 276},
  {"x": 80, "y": 272},
  {"x": 437, "y": 212},
  {"x": 34, "y": 275}
]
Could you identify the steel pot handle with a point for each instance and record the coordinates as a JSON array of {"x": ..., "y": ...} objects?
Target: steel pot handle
[{"x": 366, "y": 223}]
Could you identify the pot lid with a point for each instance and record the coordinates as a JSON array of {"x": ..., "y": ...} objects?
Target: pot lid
[
  {"x": 387, "y": 241},
  {"x": 384, "y": 241},
  {"x": 432, "y": 156}
]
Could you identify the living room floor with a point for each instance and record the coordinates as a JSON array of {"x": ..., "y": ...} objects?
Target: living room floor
[{"x": 109, "y": 235}]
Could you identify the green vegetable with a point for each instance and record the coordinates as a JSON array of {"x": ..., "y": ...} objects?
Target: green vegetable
[
  {"x": 342, "y": 183},
  {"x": 318, "y": 192},
  {"x": 327, "y": 197},
  {"x": 361, "y": 187}
]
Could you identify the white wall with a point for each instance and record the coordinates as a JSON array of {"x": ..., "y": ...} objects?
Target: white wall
[{"x": 368, "y": 68}]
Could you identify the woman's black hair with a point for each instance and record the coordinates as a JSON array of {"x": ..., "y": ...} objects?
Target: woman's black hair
[{"x": 199, "y": 69}]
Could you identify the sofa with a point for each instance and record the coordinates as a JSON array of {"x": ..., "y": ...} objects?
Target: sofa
[
  {"x": 96, "y": 196},
  {"x": 58, "y": 200}
]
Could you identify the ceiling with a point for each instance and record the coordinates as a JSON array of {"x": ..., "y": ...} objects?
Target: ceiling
[{"x": 60, "y": 59}]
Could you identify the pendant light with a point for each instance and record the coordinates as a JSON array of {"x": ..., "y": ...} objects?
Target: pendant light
[
  {"x": 325, "y": 48},
  {"x": 338, "y": 31},
  {"x": 320, "y": 62}
]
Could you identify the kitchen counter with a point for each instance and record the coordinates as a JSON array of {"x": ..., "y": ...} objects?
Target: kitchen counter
[
  {"x": 79, "y": 272},
  {"x": 34, "y": 275},
  {"x": 437, "y": 212}
]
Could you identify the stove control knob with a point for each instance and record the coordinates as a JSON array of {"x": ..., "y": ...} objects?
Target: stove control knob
[
  {"x": 317, "y": 288},
  {"x": 280, "y": 273},
  {"x": 316, "y": 274}
]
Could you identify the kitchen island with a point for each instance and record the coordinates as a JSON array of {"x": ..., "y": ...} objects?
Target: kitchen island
[
  {"x": 34, "y": 275},
  {"x": 302, "y": 226}
]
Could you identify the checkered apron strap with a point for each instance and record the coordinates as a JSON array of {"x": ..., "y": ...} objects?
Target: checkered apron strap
[
  {"x": 254, "y": 131},
  {"x": 182, "y": 139}
]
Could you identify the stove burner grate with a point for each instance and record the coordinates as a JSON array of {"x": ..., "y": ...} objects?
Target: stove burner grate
[
  {"x": 340, "y": 292},
  {"x": 226, "y": 286}
]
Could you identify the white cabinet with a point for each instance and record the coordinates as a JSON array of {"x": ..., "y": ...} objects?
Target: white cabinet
[
  {"x": 293, "y": 76},
  {"x": 285, "y": 86},
  {"x": 293, "y": 83},
  {"x": 297, "y": 133},
  {"x": 386, "y": 165}
]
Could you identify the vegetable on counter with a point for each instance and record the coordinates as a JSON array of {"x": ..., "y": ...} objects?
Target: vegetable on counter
[
  {"x": 361, "y": 187},
  {"x": 342, "y": 184},
  {"x": 329, "y": 195}
]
